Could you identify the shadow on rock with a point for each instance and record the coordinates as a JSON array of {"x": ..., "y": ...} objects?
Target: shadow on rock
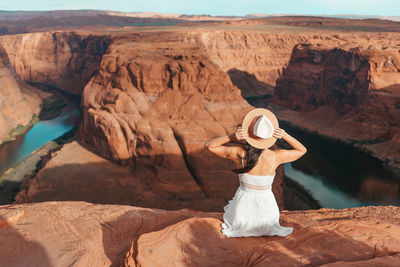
[
  {"x": 120, "y": 235},
  {"x": 164, "y": 181},
  {"x": 251, "y": 88},
  {"x": 15, "y": 247}
]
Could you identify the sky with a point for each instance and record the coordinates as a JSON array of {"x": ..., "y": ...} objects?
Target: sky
[{"x": 218, "y": 7}]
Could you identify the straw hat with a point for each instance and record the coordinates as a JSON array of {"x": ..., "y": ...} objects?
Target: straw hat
[{"x": 260, "y": 123}]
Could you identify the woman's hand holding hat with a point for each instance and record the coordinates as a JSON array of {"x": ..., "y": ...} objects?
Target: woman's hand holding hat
[
  {"x": 260, "y": 123},
  {"x": 278, "y": 133},
  {"x": 240, "y": 134}
]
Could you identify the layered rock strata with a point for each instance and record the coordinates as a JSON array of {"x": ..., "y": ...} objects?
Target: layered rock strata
[{"x": 65, "y": 60}]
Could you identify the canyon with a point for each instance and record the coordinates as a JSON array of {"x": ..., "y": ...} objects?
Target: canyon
[
  {"x": 151, "y": 97},
  {"x": 254, "y": 61}
]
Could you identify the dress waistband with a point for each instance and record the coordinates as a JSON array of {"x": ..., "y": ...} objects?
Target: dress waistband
[{"x": 255, "y": 187}]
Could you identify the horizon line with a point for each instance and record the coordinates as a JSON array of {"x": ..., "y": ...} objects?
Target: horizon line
[{"x": 254, "y": 14}]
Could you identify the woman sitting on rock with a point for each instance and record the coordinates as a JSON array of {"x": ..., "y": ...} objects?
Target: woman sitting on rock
[{"x": 253, "y": 211}]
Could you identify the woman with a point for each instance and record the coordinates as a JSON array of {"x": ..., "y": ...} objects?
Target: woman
[{"x": 253, "y": 210}]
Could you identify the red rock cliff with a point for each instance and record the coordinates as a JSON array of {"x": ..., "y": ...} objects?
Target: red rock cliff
[
  {"x": 350, "y": 92},
  {"x": 19, "y": 102},
  {"x": 66, "y": 60}
]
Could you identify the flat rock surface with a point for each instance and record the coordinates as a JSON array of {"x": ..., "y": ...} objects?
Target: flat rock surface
[
  {"x": 83, "y": 234},
  {"x": 76, "y": 173},
  {"x": 75, "y": 233},
  {"x": 366, "y": 236}
]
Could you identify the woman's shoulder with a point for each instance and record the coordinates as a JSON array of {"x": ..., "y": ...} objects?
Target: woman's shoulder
[
  {"x": 240, "y": 151},
  {"x": 267, "y": 154}
]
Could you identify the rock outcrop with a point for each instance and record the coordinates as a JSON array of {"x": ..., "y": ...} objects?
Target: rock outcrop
[
  {"x": 156, "y": 104},
  {"x": 339, "y": 237},
  {"x": 332, "y": 237},
  {"x": 76, "y": 233},
  {"x": 65, "y": 60},
  {"x": 82, "y": 234}
]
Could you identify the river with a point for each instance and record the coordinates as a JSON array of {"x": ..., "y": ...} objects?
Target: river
[
  {"x": 339, "y": 176},
  {"x": 12, "y": 153}
]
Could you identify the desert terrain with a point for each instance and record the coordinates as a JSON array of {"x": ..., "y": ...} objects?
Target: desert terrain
[{"x": 151, "y": 95}]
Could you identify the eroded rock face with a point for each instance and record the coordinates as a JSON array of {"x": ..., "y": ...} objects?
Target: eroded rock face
[
  {"x": 82, "y": 234},
  {"x": 253, "y": 60},
  {"x": 323, "y": 77},
  {"x": 351, "y": 93},
  {"x": 19, "y": 102},
  {"x": 157, "y": 105},
  {"x": 66, "y": 60}
]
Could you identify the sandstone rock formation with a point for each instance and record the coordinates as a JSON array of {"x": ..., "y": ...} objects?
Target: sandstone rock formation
[
  {"x": 62, "y": 59},
  {"x": 348, "y": 92},
  {"x": 347, "y": 237},
  {"x": 76, "y": 233},
  {"x": 252, "y": 59},
  {"x": 19, "y": 102},
  {"x": 157, "y": 104},
  {"x": 82, "y": 234}
]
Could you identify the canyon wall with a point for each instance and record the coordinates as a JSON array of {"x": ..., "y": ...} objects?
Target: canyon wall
[
  {"x": 19, "y": 102},
  {"x": 253, "y": 60},
  {"x": 351, "y": 93},
  {"x": 65, "y": 60},
  {"x": 323, "y": 77},
  {"x": 340, "y": 78}
]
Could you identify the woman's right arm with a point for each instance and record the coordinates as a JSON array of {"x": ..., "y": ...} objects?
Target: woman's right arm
[
  {"x": 216, "y": 145},
  {"x": 285, "y": 155}
]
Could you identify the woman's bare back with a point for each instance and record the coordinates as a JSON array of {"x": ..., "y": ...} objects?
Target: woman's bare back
[{"x": 266, "y": 163}]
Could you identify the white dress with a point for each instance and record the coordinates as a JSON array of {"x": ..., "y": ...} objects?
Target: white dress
[{"x": 253, "y": 210}]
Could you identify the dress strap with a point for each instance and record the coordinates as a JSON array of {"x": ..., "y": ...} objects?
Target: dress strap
[
  {"x": 243, "y": 158},
  {"x": 273, "y": 162}
]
